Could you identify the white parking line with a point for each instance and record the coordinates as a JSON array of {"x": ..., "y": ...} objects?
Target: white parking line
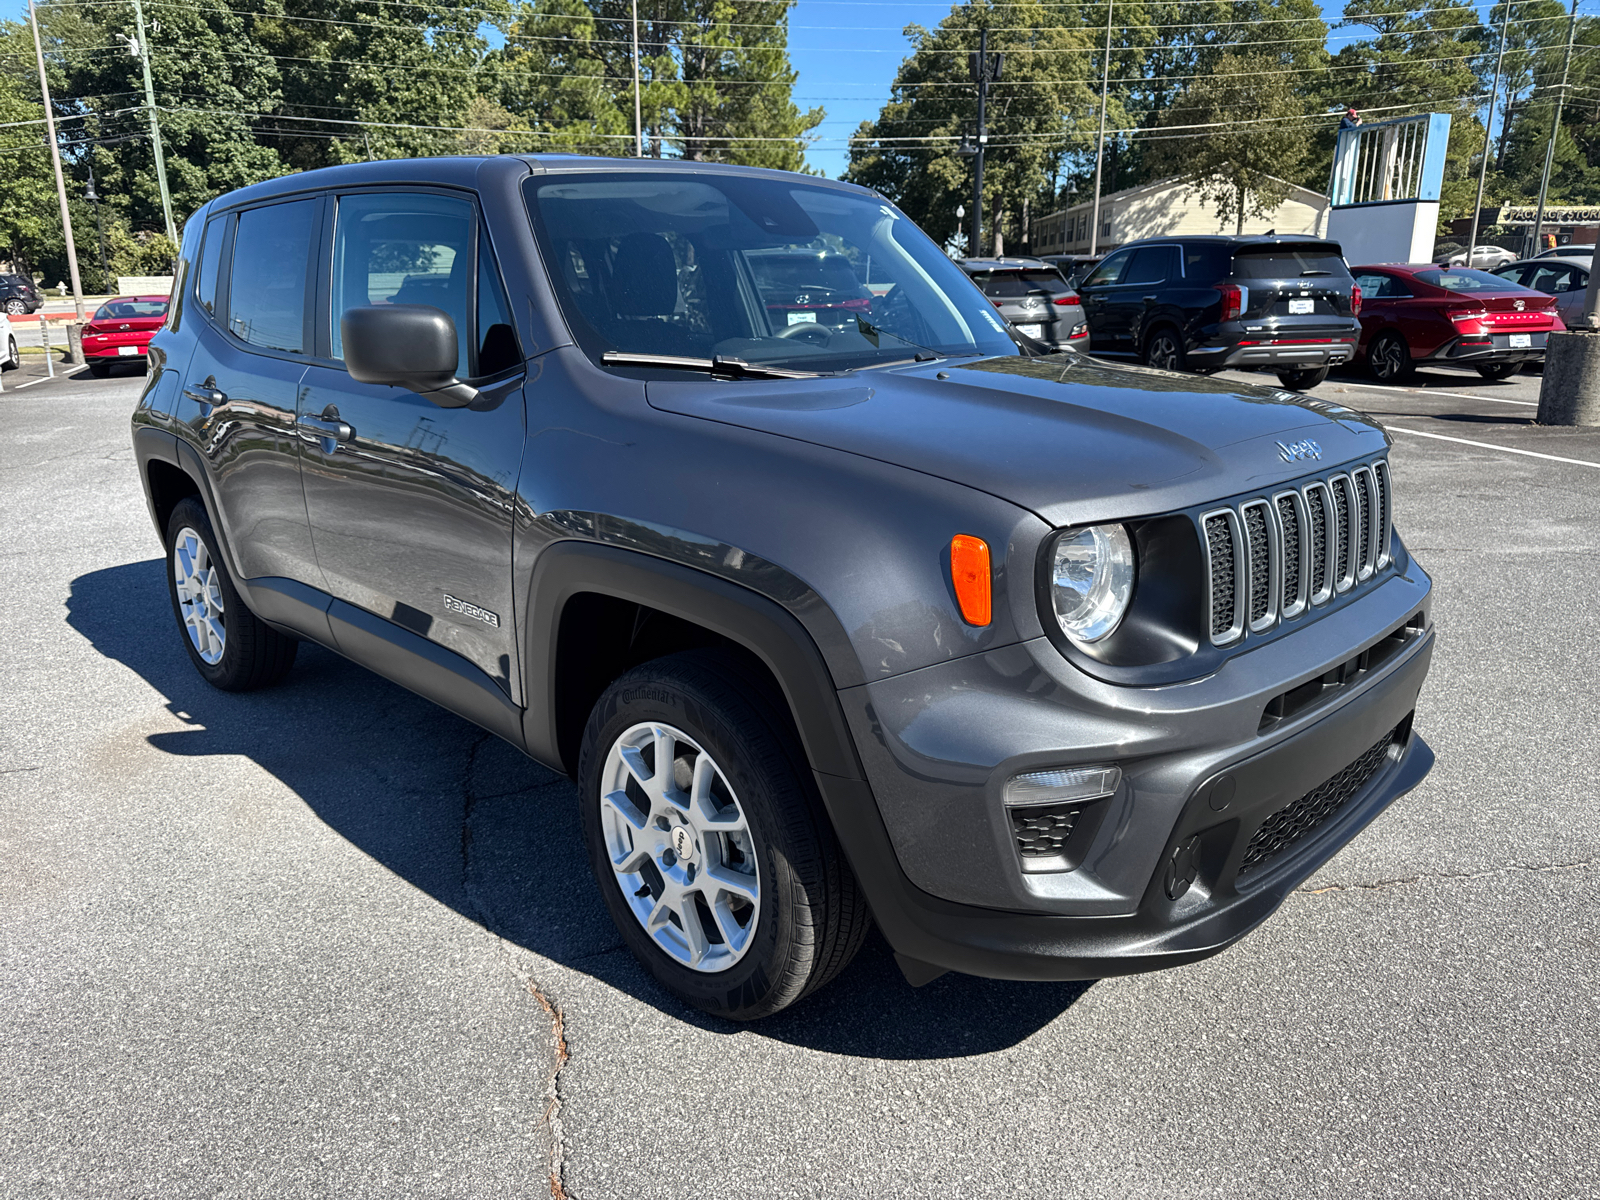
[
  {"x": 51, "y": 378},
  {"x": 1373, "y": 387},
  {"x": 1577, "y": 462}
]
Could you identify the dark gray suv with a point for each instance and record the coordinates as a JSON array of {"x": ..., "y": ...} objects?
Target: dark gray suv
[{"x": 1052, "y": 668}]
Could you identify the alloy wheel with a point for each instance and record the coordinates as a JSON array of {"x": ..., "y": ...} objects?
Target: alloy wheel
[
  {"x": 1388, "y": 358},
  {"x": 199, "y": 595},
  {"x": 1163, "y": 352},
  {"x": 16, "y": 307},
  {"x": 680, "y": 847}
]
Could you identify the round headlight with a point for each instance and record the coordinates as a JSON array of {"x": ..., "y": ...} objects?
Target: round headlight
[{"x": 1091, "y": 580}]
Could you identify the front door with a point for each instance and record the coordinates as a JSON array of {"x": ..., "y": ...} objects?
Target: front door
[
  {"x": 411, "y": 504},
  {"x": 1097, "y": 292},
  {"x": 252, "y": 346}
]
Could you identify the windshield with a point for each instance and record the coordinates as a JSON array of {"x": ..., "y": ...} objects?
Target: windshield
[
  {"x": 124, "y": 310},
  {"x": 765, "y": 270},
  {"x": 1468, "y": 281}
]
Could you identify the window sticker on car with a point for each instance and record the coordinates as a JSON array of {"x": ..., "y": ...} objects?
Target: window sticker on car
[
  {"x": 802, "y": 318},
  {"x": 995, "y": 321}
]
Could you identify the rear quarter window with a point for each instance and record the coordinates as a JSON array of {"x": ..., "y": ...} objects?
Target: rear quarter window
[{"x": 1468, "y": 281}]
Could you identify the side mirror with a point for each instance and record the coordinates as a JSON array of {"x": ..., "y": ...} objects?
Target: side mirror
[{"x": 405, "y": 345}]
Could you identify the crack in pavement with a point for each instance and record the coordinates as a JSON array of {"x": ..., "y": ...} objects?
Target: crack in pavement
[
  {"x": 1382, "y": 884},
  {"x": 551, "y": 1118}
]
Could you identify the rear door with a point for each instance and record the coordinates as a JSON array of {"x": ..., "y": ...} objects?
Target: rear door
[
  {"x": 411, "y": 504},
  {"x": 252, "y": 340},
  {"x": 1563, "y": 281},
  {"x": 1153, "y": 270}
]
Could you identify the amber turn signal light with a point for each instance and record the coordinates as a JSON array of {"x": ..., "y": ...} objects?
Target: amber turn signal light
[{"x": 969, "y": 571}]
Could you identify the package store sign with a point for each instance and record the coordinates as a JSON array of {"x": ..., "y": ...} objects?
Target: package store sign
[{"x": 1527, "y": 214}]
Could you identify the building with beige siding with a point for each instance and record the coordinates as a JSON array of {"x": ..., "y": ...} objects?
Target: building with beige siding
[{"x": 1166, "y": 208}]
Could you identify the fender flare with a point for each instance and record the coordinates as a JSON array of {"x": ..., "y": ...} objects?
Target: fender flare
[{"x": 569, "y": 568}]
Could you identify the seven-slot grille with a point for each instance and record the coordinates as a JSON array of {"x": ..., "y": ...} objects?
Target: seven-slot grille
[{"x": 1272, "y": 557}]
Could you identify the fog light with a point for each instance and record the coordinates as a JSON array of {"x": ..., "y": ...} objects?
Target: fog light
[{"x": 1062, "y": 784}]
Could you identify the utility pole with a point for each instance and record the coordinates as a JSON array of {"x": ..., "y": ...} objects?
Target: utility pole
[
  {"x": 142, "y": 49},
  {"x": 1483, "y": 167},
  {"x": 985, "y": 69},
  {"x": 638, "y": 120},
  {"x": 93, "y": 198},
  {"x": 1100, "y": 144},
  {"x": 55, "y": 157},
  {"x": 1555, "y": 128}
]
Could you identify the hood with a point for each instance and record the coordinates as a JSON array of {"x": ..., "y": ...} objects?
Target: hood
[{"x": 1069, "y": 437}]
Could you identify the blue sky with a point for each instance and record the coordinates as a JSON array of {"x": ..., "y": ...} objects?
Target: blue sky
[{"x": 847, "y": 53}]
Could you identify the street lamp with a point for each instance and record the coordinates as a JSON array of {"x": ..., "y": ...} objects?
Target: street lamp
[{"x": 93, "y": 198}]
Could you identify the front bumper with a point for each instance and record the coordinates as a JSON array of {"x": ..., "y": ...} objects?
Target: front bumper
[{"x": 938, "y": 855}]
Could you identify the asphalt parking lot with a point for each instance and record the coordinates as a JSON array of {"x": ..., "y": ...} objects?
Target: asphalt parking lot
[{"x": 332, "y": 940}]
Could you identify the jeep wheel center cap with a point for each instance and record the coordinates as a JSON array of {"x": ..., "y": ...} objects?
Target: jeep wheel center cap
[{"x": 683, "y": 844}]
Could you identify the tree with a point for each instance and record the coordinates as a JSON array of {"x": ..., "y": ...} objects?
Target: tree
[
  {"x": 910, "y": 152},
  {"x": 1259, "y": 136},
  {"x": 27, "y": 198}
]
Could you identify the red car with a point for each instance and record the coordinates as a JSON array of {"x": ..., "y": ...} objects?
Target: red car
[
  {"x": 1422, "y": 312},
  {"x": 121, "y": 330}
]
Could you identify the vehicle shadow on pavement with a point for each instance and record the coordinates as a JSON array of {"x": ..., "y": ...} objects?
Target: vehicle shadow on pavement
[{"x": 481, "y": 828}]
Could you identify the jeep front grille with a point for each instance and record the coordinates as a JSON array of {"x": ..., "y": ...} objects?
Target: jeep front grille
[{"x": 1270, "y": 559}]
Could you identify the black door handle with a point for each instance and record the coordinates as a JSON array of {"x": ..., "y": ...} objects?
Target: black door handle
[{"x": 207, "y": 393}]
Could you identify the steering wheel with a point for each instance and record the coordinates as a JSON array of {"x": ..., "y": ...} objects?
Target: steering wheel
[{"x": 808, "y": 331}]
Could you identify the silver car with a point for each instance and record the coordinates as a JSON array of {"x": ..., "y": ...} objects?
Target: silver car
[
  {"x": 1566, "y": 278},
  {"x": 1032, "y": 295}
]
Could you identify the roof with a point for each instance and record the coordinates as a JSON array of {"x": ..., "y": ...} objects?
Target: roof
[{"x": 479, "y": 170}]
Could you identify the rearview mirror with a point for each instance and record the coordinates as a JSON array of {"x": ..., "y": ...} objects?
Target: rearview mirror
[{"x": 405, "y": 345}]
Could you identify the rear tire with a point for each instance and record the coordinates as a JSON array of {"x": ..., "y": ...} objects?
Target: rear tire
[
  {"x": 16, "y": 307},
  {"x": 1389, "y": 358},
  {"x": 1303, "y": 380},
  {"x": 1498, "y": 370},
  {"x": 1163, "y": 349},
  {"x": 229, "y": 645},
  {"x": 737, "y": 805},
  {"x": 99, "y": 369}
]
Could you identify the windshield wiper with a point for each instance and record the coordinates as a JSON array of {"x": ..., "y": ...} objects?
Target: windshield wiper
[{"x": 722, "y": 364}]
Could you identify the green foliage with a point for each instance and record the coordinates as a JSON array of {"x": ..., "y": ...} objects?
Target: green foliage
[
  {"x": 909, "y": 152},
  {"x": 1256, "y": 135}
]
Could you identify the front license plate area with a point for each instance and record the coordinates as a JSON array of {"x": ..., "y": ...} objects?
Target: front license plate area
[{"x": 1297, "y": 307}]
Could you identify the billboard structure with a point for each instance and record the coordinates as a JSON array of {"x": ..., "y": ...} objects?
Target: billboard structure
[{"x": 1384, "y": 193}]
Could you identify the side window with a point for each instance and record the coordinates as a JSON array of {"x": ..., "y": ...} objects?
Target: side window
[
  {"x": 205, "y": 290},
  {"x": 497, "y": 337},
  {"x": 267, "y": 284},
  {"x": 1204, "y": 264},
  {"x": 404, "y": 248},
  {"x": 1371, "y": 285},
  {"x": 1514, "y": 274},
  {"x": 1153, "y": 264},
  {"x": 1552, "y": 281},
  {"x": 1111, "y": 270}
]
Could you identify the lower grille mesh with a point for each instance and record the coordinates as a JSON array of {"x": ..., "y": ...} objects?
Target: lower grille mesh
[
  {"x": 1042, "y": 832},
  {"x": 1295, "y": 821}
]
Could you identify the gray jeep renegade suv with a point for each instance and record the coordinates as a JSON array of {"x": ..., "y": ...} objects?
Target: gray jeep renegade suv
[{"x": 1054, "y": 669}]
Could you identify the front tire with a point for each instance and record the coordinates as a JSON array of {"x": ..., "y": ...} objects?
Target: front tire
[
  {"x": 1303, "y": 379},
  {"x": 229, "y": 645},
  {"x": 709, "y": 841},
  {"x": 13, "y": 358},
  {"x": 1163, "y": 349},
  {"x": 1498, "y": 370}
]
